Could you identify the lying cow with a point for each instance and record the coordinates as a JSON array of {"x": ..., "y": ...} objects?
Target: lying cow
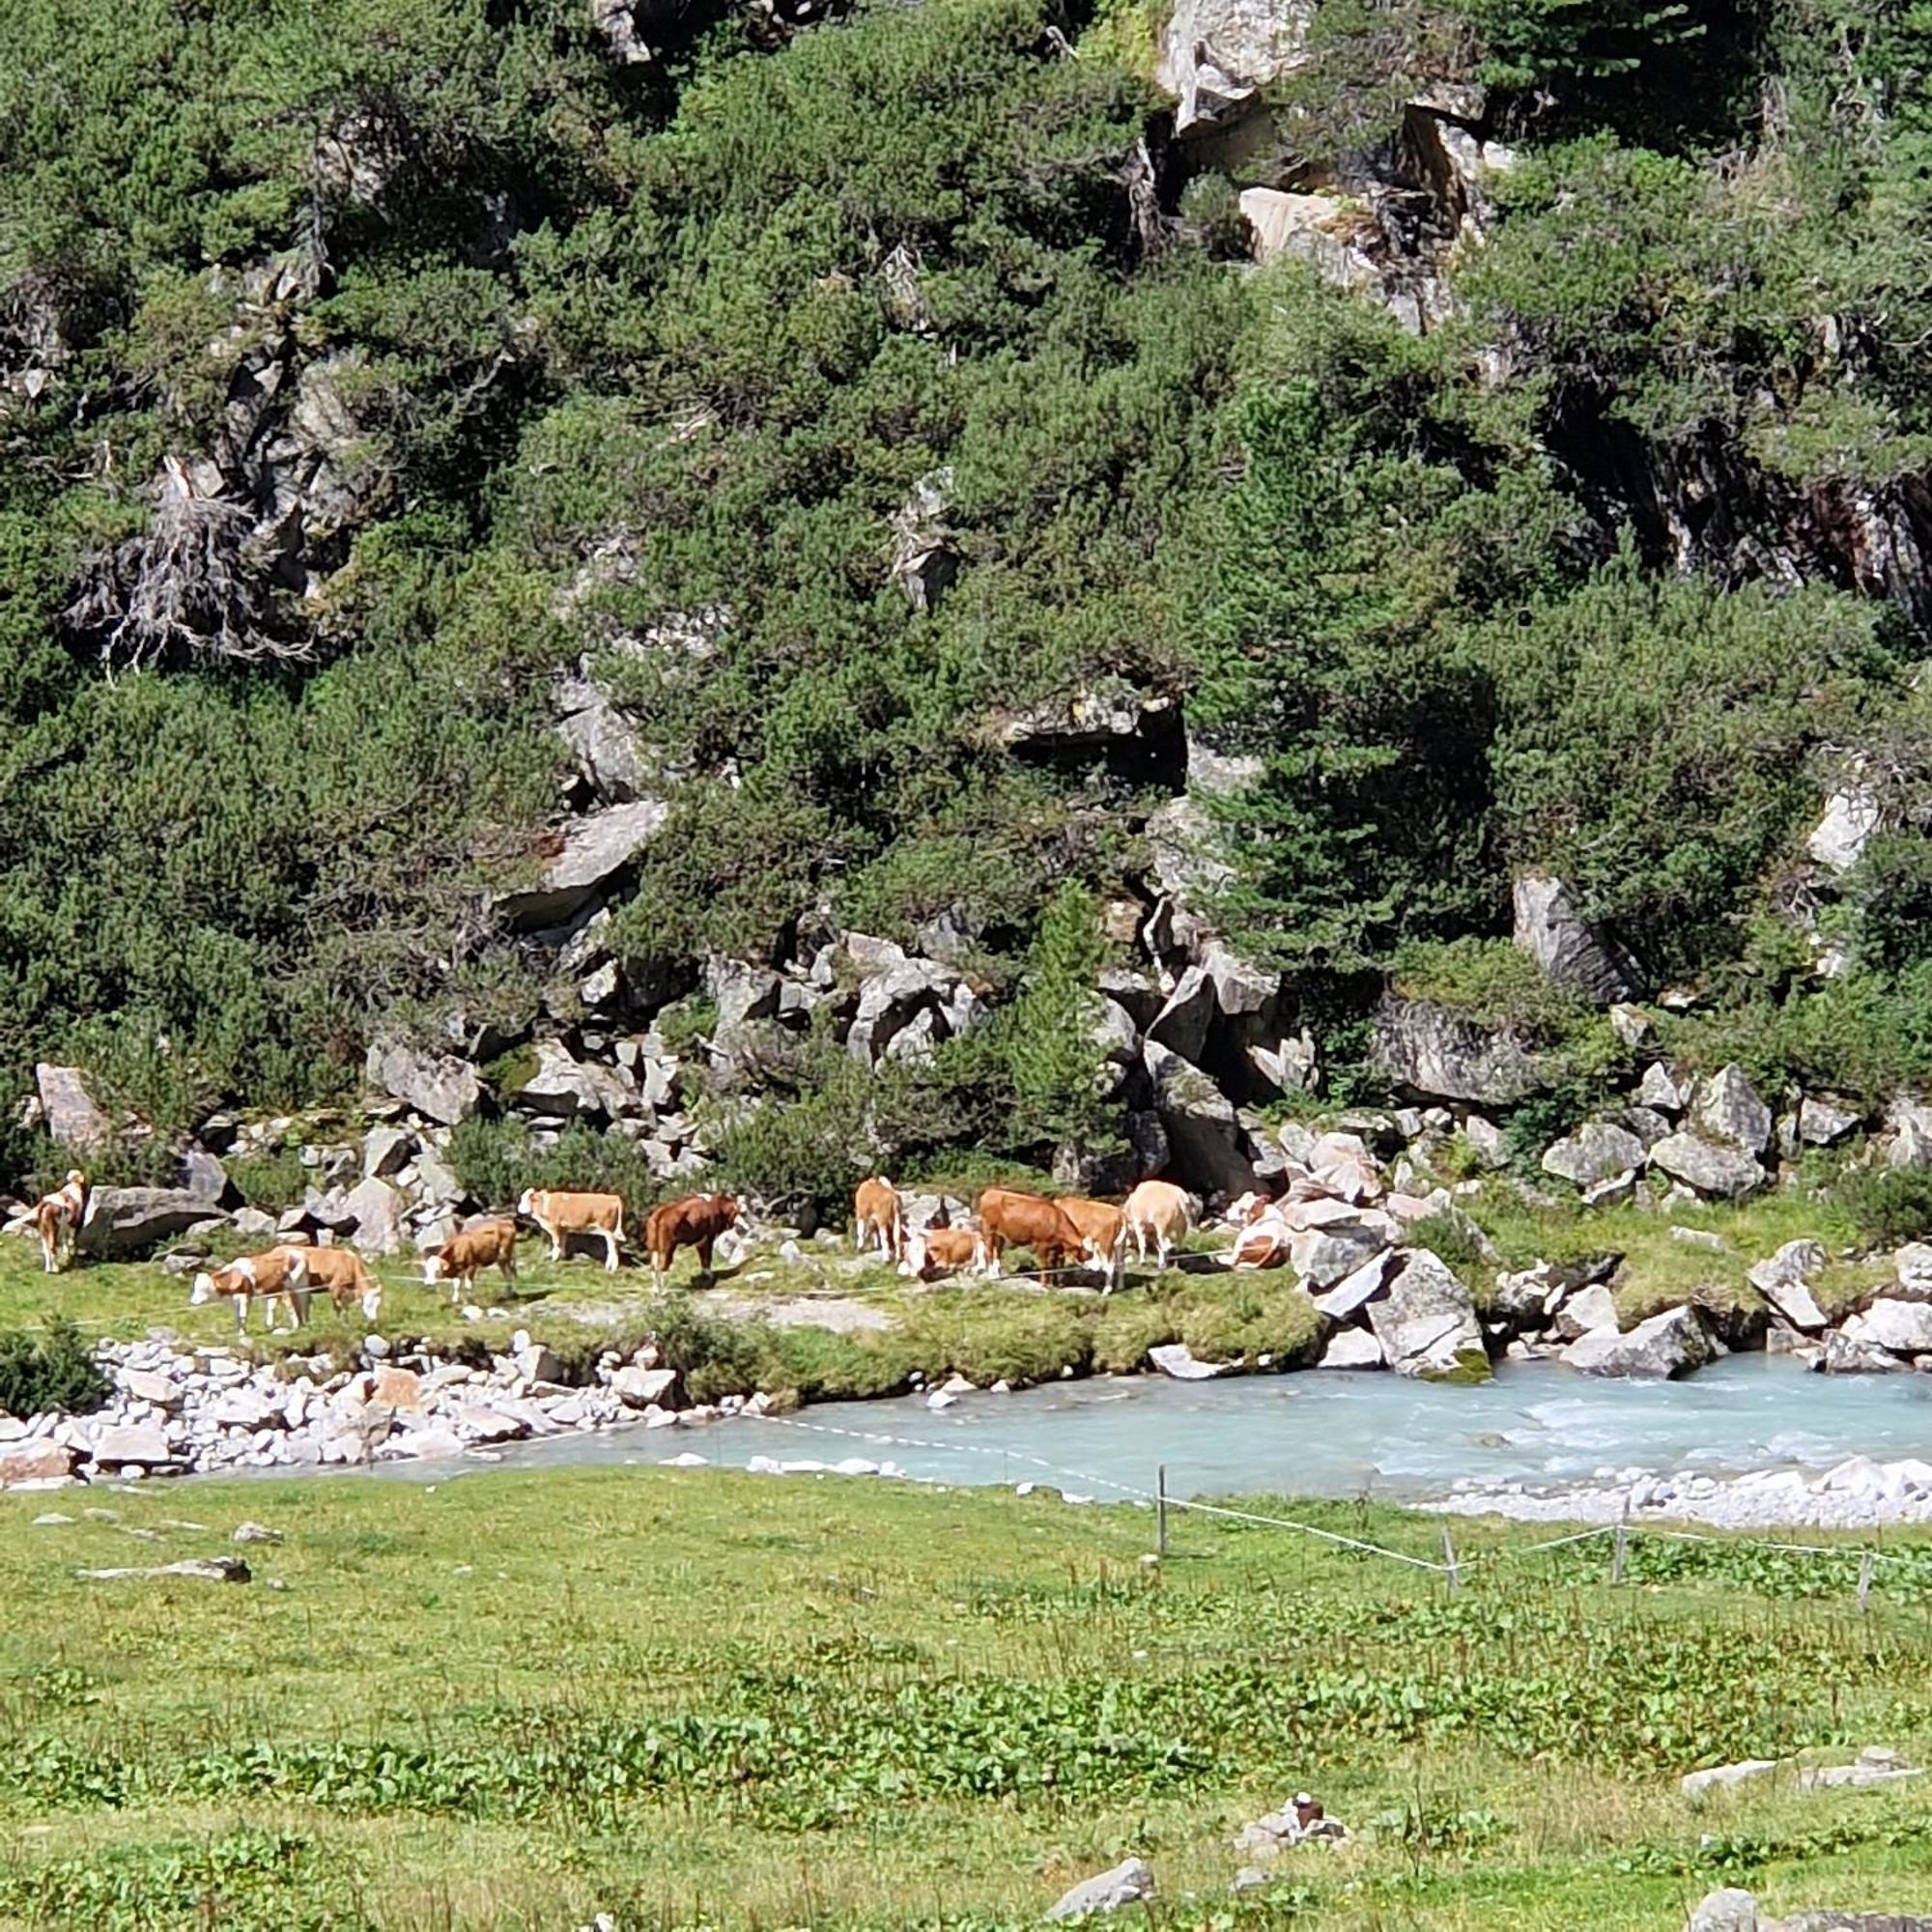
[
  {"x": 1265, "y": 1238},
  {"x": 278, "y": 1274},
  {"x": 694, "y": 1222},
  {"x": 936, "y": 1251},
  {"x": 1103, "y": 1232},
  {"x": 57, "y": 1219},
  {"x": 468, "y": 1252},
  {"x": 560, "y": 1215},
  {"x": 345, "y": 1275},
  {"x": 1159, "y": 1209},
  {"x": 1009, "y": 1218},
  {"x": 878, "y": 1213}
]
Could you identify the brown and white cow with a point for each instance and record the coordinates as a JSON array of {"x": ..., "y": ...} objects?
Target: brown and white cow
[
  {"x": 57, "y": 1219},
  {"x": 1009, "y": 1218},
  {"x": 1103, "y": 1231},
  {"x": 346, "y": 1277},
  {"x": 491, "y": 1244},
  {"x": 694, "y": 1222},
  {"x": 878, "y": 1213},
  {"x": 1160, "y": 1210},
  {"x": 277, "y": 1274},
  {"x": 933, "y": 1251},
  {"x": 560, "y": 1215}
]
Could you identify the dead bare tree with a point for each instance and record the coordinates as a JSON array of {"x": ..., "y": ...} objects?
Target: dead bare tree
[{"x": 187, "y": 589}]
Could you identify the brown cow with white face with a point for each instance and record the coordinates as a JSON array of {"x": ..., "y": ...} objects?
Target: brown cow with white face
[
  {"x": 57, "y": 1219},
  {"x": 277, "y": 1274},
  {"x": 1103, "y": 1230},
  {"x": 345, "y": 1275},
  {"x": 491, "y": 1244},
  {"x": 878, "y": 1215}
]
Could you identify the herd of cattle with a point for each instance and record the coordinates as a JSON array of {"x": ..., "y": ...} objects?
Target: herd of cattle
[{"x": 1063, "y": 1234}]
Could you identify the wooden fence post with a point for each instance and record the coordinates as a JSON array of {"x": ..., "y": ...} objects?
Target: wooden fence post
[
  {"x": 1454, "y": 1568},
  {"x": 1865, "y": 1580},
  {"x": 1160, "y": 1508},
  {"x": 1622, "y": 1544}
]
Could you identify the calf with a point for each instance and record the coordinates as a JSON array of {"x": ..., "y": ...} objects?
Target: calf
[
  {"x": 276, "y": 1275},
  {"x": 1103, "y": 1232},
  {"x": 560, "y": 1215},
  {"x": 931, "y": 1251},
  {"x": 694, "y": 1222},
  {"x": 1009, "y": 1218},
  {"x": 57, "y": 1219},
  {"x": 878, "y": 1211},
  {"x": 1159, "y": 1209},
  {"x": 468, "y": 1251},
  {"x": 345, "y": 1276}
]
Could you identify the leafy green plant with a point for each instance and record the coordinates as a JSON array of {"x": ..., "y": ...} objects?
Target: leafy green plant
[{"x": 52, "y": 1368}]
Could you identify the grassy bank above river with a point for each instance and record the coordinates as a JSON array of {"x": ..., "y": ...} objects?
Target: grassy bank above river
[{"x": 689, "y": 1698}]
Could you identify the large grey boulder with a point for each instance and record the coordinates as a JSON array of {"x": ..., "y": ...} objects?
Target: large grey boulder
[
  {"x": 1352, "y": 1349},
  {"x": 741, "y": 991},
  {"x": 1596, "y": 1151},
  {"x": 602, "y": 742},
  {"x": 1728, "y": 1108},
  {"x": 1427, "y": 1322},
  {"x": 1183, "y": 1023},
  {"x": 1821, "y": 1120},
  {"x": 596, "y": 852},
  {"x": 1661, "y": 1090},
  {"x": 143, "y": 1443},
  {"x": 1781, "y": 1279},
  {"x": 1900, "y": 1327},
  {"x": 438, "y": 1085},
  {"x": 125, "y": 1221},
  {"x": 71, "y": 1115},
  {"x": 377, "y": 1210},
  {"x": 1420, "y": 1045},
  {"x": 1549, "y": 928},
  {"x": 1216, "y": 55},
  {"x": 1724, "y": 1172},
  {"x": 1209, "y": 1149},
  {"x": 1590, "y": 1311},
  {"x": 565, "y": 1088},
  {"x": 1128, "y": 1883},
  {"x": 1671, "y": 1344}
]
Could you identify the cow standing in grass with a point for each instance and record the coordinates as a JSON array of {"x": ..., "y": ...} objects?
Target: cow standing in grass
[
  {"x": 1103, "y": 1231},
  {"x": 491, "y": 1244},
  {"x": 560, "y": 1215},
  {"x": 878, "y": 1215},
  {"x": 346, "y": 1278},
  {"x": 1159, "y": 1211},
  {"x": 57, "y": 1219},
  {"x": 935, "y": 1251},
  {"x": 694, "y": 1222},
  {"x": 278, "y": 1274},
  {"x": 1009, "y": 1218}
]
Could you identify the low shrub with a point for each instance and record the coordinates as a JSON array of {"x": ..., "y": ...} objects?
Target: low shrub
[
  {"x": 495, "y": 1160},
  {"x": 269, "y": 1181},
  {"x": 1887, "y": 1205},
  {"x": 53, "y": 1369}
]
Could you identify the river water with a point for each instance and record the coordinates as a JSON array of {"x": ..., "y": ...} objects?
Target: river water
[{"x": 1332, "y": 1433}]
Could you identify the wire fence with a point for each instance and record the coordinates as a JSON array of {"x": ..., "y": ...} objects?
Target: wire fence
[{"x": 1454, "y": 1565}]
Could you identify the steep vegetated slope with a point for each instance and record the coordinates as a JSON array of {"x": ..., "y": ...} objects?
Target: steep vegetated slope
[{"x": 872, "y": 441}]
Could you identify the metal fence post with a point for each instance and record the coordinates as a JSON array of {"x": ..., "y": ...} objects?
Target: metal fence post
[
  {"x": 1160, "y": 1508},
  {"x": 1865, "y": 1580},
  {"x": 1454, "y": 1568}
]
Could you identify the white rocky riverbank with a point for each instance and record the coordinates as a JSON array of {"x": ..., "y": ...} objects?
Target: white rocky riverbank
[
  {"x": 1856, "y": 1493},
  {"x": 177, "y": 1410}
]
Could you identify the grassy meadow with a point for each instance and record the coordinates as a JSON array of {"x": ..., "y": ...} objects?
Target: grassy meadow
[{"x": 686, "y": 1698}]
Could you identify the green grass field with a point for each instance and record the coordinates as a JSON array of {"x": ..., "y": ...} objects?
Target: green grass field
[{"x": 691, "y": 1698}]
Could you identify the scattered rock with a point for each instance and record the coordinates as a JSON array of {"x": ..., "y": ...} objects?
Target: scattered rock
[
  {"x": 642, "y": 1388},
  {"x": 1128, "y": 1883},
  {"x": 71, "y": 1113},
  {"x": 596, "y": 851},
  {"x": 1821, "y": 1121},
  {"x": 1722, "y": 1171},
  {"x": 1427, "y": 1322},
  {"x": 1426, "y": 1047},
  {"x": 1554, "y": 933},
  {"x": 1729, "y": 1109},
  {"x": 1903, "y": 1327},
  {"x": 1671, "y": 1344},
  {"x": 1590, "y": 1311},
  {"x": 1173, "y": 1359},
  {"x": 39, "y": 1461},
  {"x": 1782, "y": 1282},
  {"x": 441, "y": 1086},
  {"x": 1352, "y": 1349},
  {"x": 125, "y": 1221},
  {"x": 141, "y": 1443},
  {"x": 255, "y": 1532},
  {"x": 205, "y": 1568},
  {"x": 1596, "y": 1151}
]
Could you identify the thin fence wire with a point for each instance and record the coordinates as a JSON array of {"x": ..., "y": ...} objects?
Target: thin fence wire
[{"x": 1476, "y": 1558}]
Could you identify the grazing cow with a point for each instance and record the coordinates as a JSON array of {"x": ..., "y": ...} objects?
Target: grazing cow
[
  {"x": 468, "y": 1251},
  {"x": 345, "y": 1276},
  {"x": 275, "y": 1274},
  {"x": 878, "y": 1211},
  {"x": 1009, "y": 1218},
  {"x": 57, "y": 1219},
  {"x": 932, "y": 1251},
  {"x": 694, "y": 1222},
  {"x": 560, "y": 1215},
  {"x": 1159, "y": 1209},
  {"x": 1103, "y": 1231}
]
